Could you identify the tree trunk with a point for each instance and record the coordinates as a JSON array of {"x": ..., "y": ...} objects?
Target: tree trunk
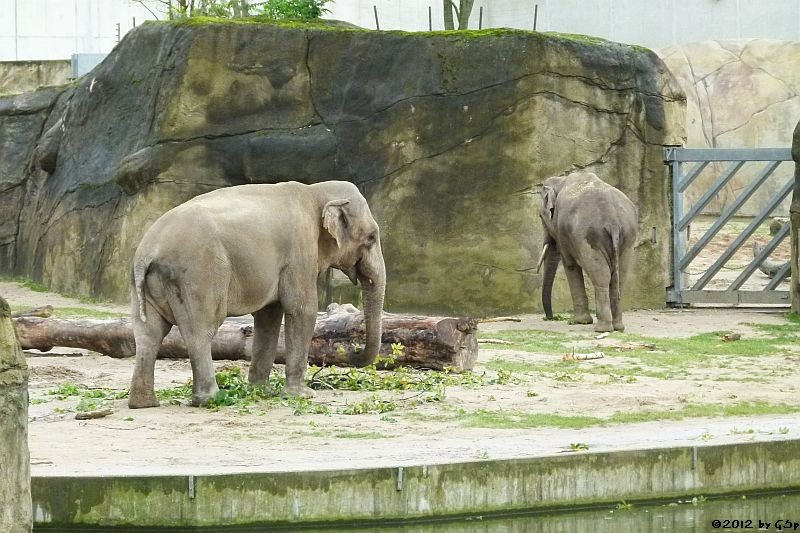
[
  {"x": 447, "y": 6},
  {"x": 15, "y": 477},
  {"x": 428, "y": 342},
  {"x": 464, "y": 13}
]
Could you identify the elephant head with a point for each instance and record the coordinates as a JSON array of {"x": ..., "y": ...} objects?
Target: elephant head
[
  {"x": 357, "y": 253},
  {"x": 550, "y": 254}
]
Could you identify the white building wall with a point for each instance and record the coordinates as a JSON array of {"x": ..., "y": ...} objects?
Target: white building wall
[
  {"x": 55, "y": 29},
  {"x": 651, "y": 23}
]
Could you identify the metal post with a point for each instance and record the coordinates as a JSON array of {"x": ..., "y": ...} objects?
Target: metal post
[
  {"x": 430, "y": 19},
  {"x": 118, "y": 35},
  {"x": 480, "y": 18},
  {"x": 375, "y": 10},
  {"x": 678, "y": 237},
  {"x": 535, "y": 15},
  {"x": 134, "y": 22}
]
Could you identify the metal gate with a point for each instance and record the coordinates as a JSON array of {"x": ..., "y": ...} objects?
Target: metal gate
[{"x": 702, "y": 268}]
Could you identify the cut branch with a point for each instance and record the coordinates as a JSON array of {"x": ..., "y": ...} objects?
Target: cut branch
[{"x": 428, "y": 342}]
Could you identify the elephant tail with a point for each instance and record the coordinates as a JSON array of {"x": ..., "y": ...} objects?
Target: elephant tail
[{"x": 140, "y": 268}]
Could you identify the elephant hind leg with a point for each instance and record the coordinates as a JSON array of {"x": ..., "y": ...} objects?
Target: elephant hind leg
[
  {"x": 148, "y": 336},
  {"x": 615, "y": 303},
  {"x": 604, "y": 321},
  {"x": 617, "y": 281},
  {"x": 577, "y": 289},
  {"x": 603, "y": 297},
  {"x": 204, "y": 382},
  {"x": 198, "y": 319},
  {"x": 266, "y": 330}
]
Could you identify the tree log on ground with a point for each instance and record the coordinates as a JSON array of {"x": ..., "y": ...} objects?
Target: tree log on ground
[
  {"x": 428, "y": 342},
  {"x": 768, "y": 266}
]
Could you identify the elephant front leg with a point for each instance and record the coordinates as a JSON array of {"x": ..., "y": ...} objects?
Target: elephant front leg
[
  {"x": 266, "y": 329},
  {"x": 577, "y": 289},
  {"x": 299, "y": 330}
]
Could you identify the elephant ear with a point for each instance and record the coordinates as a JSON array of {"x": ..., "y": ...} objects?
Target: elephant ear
[
  {"x": 549, "y": 199},
  {"x": 334, "y": 219}
]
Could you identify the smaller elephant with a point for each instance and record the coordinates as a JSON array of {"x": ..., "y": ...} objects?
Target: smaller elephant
[{"x": 590, "y": 226}]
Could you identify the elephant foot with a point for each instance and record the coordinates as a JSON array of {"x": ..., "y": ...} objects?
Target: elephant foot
[
  {"x": 603, "y": 327},
  {"x": 258, "y": 379},
  {"x": 581, "y": 319},
  {"x": 300, "y": 391},
  {"x": 142, "y": 400},
  {"x": 201, "y": 398},
  {"x": 619, "y": 326}
]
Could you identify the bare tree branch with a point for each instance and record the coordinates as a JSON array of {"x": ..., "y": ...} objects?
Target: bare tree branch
[{"x": 147, "y": 8}]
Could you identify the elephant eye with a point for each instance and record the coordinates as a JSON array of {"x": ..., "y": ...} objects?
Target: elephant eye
[{"x": 371, "y": 238}]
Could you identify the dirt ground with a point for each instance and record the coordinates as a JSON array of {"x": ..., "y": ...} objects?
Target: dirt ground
[{"x": 275, "y": 436}]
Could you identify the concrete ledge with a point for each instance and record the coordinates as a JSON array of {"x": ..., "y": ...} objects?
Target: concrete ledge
[{"x": 420, "y": 492}]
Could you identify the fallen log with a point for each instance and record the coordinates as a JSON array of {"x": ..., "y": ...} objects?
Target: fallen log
[
  {"x": 427, "y": 342},
  {"x": 769, "y": 267}
]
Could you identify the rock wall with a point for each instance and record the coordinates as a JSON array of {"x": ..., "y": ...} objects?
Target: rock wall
[
  {"x": 740, "y": 94},
  {"x": 22, "y": 76},
  {"x": 447, "y": 134},
  {"x": 15, "y": 477}
]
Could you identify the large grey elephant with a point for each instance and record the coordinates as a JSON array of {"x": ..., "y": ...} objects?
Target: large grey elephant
[
  {"x": 251, "y": 249},
  {"x": 590, "y": 226}
]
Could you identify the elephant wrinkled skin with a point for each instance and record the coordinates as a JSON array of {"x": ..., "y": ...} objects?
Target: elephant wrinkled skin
[
  {"x": 590, "y": 226},
  {"x": 251, "y": 249}
]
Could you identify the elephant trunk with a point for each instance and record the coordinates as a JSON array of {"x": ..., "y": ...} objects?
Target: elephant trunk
[
  {"x": 372, "y": 275},
  {"x": 551, "y": 258}
]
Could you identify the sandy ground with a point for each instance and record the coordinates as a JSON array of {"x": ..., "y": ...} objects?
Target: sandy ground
[{"x": 188, "y": 440}]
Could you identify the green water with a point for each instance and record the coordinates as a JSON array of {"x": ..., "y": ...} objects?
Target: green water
[{"x": 781, "y": 511}]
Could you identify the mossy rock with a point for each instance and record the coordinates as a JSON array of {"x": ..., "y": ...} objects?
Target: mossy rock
[{"x": 447, "y": 134}]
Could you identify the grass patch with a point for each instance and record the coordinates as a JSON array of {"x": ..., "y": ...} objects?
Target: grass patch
[
  {"x": 359, "y": 435},
  {"x": 534, "y": 340},
  {"x": 35, "y": 286},
  {"x": 28, "y": 283},
  {"x": 672, "y": 357},
  {"x": 483, "y": 418}
]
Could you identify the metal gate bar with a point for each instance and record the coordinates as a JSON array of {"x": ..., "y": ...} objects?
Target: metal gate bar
[
  {"x": 682, "y": 178},
  {"x": 728, "y": 213},
  {"x": 742, "y": 237},
  {"x": 759, "y": 258}
]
